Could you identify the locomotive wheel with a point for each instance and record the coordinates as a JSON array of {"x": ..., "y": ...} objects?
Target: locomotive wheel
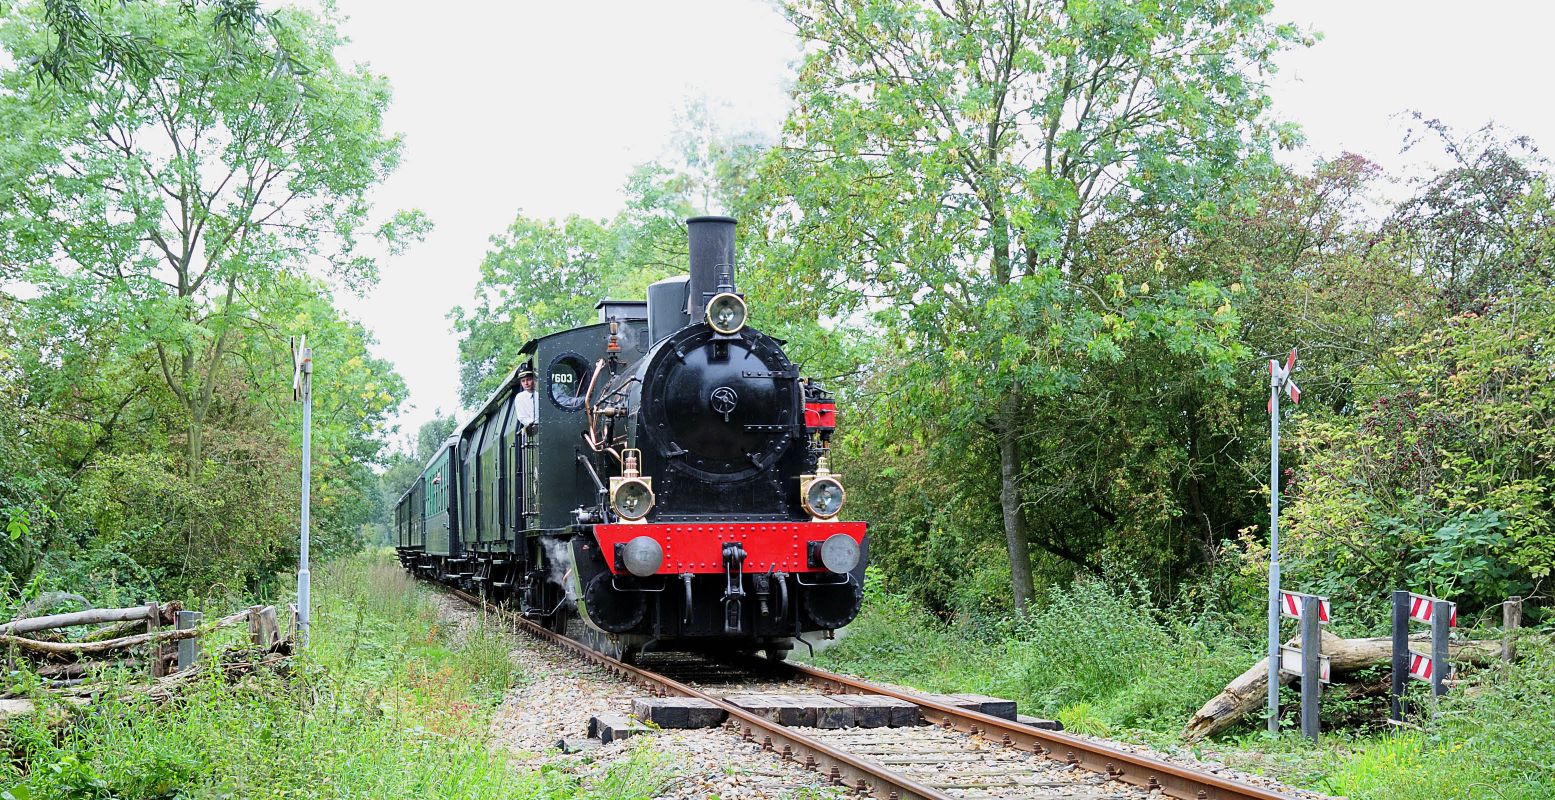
[{"x": 557, "y": 623}]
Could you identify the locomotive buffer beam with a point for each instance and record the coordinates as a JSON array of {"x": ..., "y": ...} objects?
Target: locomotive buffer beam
[{"x": 734, "y": 585}]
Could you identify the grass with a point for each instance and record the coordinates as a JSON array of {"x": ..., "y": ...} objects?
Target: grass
[
  {"x": 389, "y": 703},
  {"x": 1092, "y": 659},
  {"x": 1106, "y": 664},
  {"x": 1496, "y": 740}
]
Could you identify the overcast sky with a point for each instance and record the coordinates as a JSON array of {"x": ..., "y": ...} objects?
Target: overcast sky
[{"x": 545, "y": 107}]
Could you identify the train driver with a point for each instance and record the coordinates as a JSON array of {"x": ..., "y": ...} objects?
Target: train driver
[{"x": 528, "y": 400}]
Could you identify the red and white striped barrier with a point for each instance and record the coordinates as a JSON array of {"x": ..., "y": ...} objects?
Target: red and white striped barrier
[
  {"x": 1421, "y": 666},
  {"x": 1421, "y": 607},
  {"x": 1290, "y": 606}
]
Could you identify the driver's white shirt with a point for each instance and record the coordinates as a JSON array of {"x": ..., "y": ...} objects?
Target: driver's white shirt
[{"x": 528, "y": 408}]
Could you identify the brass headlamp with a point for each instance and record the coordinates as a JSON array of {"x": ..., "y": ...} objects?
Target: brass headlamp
[
  {"x": 821, "y": 494},
  {"x": 631, "y": 495}
]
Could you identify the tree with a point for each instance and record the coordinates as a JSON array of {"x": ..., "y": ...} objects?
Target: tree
[
  {"x": 174, "y": 193},
  {"x": 539, "y": 277},
  {"x": 403, "y": 467},
  {"x": 945, "y": 163},
  {"x": 85, "y": 41},
  {"x": 542, "y": 276},
  {"x": 431, "y": 435},
  {"x": 1480, "y": 229}
]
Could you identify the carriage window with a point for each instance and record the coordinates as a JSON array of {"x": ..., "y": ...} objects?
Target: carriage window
[{"x": 566, "y": 381}]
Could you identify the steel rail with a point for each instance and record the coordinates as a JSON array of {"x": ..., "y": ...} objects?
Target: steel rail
[
  {"x": 845, "y": 769},
  {"x": 1142, "y": 771}
]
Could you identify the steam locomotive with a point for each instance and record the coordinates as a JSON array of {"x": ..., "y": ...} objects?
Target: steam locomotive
[{"x": 673, "y": 492}]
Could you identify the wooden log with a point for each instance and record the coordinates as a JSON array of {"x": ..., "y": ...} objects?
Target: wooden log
[
  {"x": 170, "y": 611},
  {"x": 94, "y": 616},
  {"x": 113, "y": 631},
  {"x": 82, "y": 648},
  {"x": 1249, "y": 690},
  {"x": 164, "y": 688}
]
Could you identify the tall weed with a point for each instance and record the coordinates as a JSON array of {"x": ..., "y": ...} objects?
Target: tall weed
[{"x": 1088, "y": 652}]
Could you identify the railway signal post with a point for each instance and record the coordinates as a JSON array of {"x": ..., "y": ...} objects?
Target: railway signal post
[
  {"x": 302, "y": 390},
  {"x": 1279, "y": 380}
]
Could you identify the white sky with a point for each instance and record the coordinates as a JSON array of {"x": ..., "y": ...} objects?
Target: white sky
[{"x": 545, "y": 107}]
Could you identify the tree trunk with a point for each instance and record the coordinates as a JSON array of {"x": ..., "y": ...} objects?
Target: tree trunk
[
  {"x": 89, "y": 617},
  {"x": 1008, "y": 432},
  {"x": 1007, "y": 427},
  {"x": 190, "y": 397}
]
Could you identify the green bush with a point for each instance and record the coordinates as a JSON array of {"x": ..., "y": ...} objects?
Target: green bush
[{"x": 1439, "y": 479}]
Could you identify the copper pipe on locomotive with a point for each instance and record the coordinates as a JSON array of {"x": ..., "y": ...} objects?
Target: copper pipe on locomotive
[
  {"x": 592, "y": 415},
  {"x": 609, "y": 407}
]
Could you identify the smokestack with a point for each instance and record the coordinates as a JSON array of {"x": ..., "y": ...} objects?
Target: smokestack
[{"x": 712, "y": 247}]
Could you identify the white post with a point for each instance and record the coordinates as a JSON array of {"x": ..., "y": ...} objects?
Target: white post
[
  {"x": 1279, "y": 379},
  {"x": 302, "y": 385},
  {"x": 1274, "y": 548}
]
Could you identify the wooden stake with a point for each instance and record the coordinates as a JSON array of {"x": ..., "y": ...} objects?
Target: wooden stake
[
  {"x": 269, "y": 628},
  {"x": 255, "y": 627},
  {"x": 1511, "y": 620},
  {"x": 153, "y": 623}
]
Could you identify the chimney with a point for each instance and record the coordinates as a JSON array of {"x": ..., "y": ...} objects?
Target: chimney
[{"x": 712, "y": 251}]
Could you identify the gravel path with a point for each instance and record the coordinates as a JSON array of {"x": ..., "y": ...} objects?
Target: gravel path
[{"x": 558, "y": 694}]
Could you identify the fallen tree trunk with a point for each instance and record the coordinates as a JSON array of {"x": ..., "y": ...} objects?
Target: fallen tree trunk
[
  {"x": 82, "y": 648},
  {"x": 93, "y": 616},
  {"x": 1250, "y": 689},
  {"x": 169, "y": 609}
]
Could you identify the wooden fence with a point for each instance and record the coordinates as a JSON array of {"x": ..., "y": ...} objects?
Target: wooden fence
[{"x": 162, "y": 636}]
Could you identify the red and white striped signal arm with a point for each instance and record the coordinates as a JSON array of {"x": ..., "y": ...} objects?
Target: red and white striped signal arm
[{"x": 1279, "y": 378}]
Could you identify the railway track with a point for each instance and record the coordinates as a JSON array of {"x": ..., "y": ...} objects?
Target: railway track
[{"x": 961, "y": 755}]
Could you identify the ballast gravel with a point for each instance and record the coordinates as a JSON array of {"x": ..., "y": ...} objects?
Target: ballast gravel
[
  {"x": 557, "y": 694},
  {"x": 1202, "y": 758}
]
